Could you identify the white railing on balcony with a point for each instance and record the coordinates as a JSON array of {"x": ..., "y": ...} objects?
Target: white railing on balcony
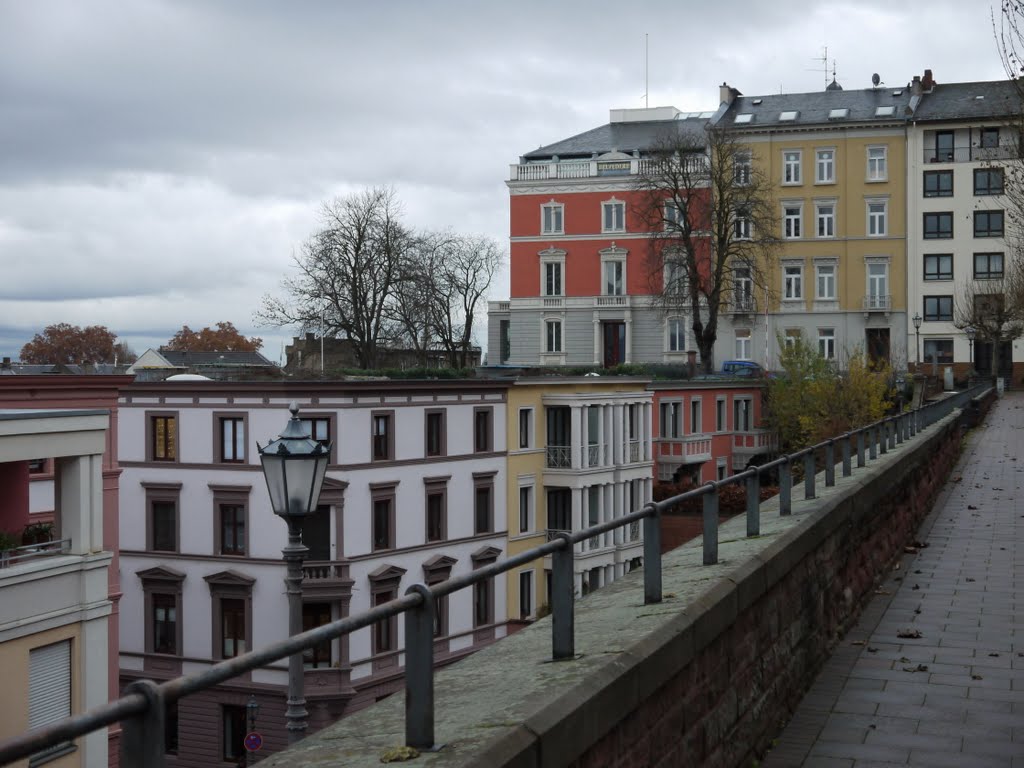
[
  {"x": 634, "y": 531},
  {"x": 754, "y": 441},
  {"x": 687, "y": 450},
  {"x": 634, "y": 450},
  {"x": 553, "y": 301},
  {"x": 969, "y": 154},
  {"x": 582, "y": 169},
  {"x": 318, "y": 570},
  {"x": 558, "y": 456},
  {"x": 744, "y": 304},
  {"x": 18, "y": 555},
  {"x": 877, "y": 303},
  {"x": 567, "y": 302},
  {"x": 611, "y": 301}
]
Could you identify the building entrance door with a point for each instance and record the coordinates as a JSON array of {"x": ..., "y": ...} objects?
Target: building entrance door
[
  {"x": 878, "y": 346},
  {"x": 983, "y": 359},
  {"x": 614, "y": 343}
]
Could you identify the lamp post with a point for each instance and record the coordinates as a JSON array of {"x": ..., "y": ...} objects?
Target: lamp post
[
  {"x": 252, "y": 711},
  {"x": 970, "y": 330},
  {"x": 917, "y": 330},
  {"x": 294, "y": 466}
]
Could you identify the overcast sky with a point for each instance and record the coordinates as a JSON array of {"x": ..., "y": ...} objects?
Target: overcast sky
[{"x": 160, "y": 160}]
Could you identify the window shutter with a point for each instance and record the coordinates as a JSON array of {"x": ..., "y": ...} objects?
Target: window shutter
[{"x": 49, "y": 684}]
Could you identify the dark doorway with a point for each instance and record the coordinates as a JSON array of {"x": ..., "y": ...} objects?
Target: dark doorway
[
  {"x": 316, "y": 534},
  {"x": 878, "y": 346},
  {"x": 614, "y": 343},
  {"x": 983, "y": 359}
]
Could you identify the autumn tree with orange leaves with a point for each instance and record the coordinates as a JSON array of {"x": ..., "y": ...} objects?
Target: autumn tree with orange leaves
[
  {"x": 222, "y": 338},
  {"x": 70, "y": 344}
]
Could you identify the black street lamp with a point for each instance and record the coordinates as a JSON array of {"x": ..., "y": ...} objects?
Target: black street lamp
[
  {"x": 294, "y": 466},
  {"x": 971, "y": 331},
  {"x": 917, "y": 330}
]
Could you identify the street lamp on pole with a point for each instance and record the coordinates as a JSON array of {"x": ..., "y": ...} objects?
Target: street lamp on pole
[
  {"x": 971, "y": 331},
  {"x": 294, "y": 466},
  {"x": 917, "y": 330}
]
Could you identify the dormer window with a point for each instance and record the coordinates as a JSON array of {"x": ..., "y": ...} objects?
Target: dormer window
[
  {"x": 885, "y": 111},
  {"x": 744, "y": 118},
  {"x": 838, "y": 114},
  {"x": 788, "y": 116}
]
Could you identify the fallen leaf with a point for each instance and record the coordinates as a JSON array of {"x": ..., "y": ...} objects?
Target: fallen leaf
[
  {"x": 968, "y": 579},
  {"x": 910, "y": 550},
  {"x": 977, "y": 677},
  {"x": 957, "y": 479},
  {"x": 910, "y": 634},
  {"x": 918, "y": 668},
  {"x": 882, "y": 592},
  {"x": 872, "y": 650},
  {"x": 856, "y": 642},
  {"x": 993, "y": 654},
  {"x": 971, "y": 506},
  {"x": 916, "y": 586}
]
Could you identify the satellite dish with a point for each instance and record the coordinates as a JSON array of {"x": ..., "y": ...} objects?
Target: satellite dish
[{"x": 875, "y": 79}]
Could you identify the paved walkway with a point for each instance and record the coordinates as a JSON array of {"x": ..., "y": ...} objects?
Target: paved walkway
[{"x": 954, "y": 696}]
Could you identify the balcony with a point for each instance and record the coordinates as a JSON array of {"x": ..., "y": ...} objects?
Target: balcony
[
  {"x": 753, "y": 442},
  {"x": 743, "y": 305},
  {"x": 558, "y": 457},
  {"x": 328, "y": 579},
  {"x": 18, "y": 555},
  {"x": 586, "y": 169},
  {"x": 877, "y": 303},
  {"x": 550, "y": 534},
  {"x": 692, "y": 449},
  {"x": 969, "y": 154},
  {"x": 568, "y": 302}
]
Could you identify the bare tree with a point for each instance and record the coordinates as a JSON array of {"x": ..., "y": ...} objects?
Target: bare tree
[
  {"x": 714, "y": 225},
  {"x": 347, "y": 274},
  {"x": 994, "y": 308}
]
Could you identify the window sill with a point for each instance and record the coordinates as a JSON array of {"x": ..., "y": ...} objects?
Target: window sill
[
  {"x": 831, "y": 183},
  {"x": 876, "y": 181},
  {"x": 52, "y": 753},
  {"x": 792, "y": 184}
]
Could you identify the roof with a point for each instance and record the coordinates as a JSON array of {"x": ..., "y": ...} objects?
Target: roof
[
  {"x": 819, "y": 107},
  {"x": 625, "y": 137},
  {"x": 970, "y": 101},
  {"x": 188, "y": 359}
]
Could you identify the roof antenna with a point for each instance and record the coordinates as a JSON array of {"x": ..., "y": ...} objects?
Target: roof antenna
[{"x": 824, "y": 65}]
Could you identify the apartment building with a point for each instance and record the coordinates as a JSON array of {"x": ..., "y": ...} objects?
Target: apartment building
[
  {"x": 959, "y": 141},
  {"x": 579, "y": 454},
  {"x": 413, "y": 493}
]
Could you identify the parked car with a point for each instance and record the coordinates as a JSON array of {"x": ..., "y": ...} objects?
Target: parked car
[{"x": 743, "y": 368}]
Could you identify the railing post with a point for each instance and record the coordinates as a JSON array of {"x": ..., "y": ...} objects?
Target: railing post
[
  {"x": 830, "y": 463},
  {"x": 419, "y": 670},
  {"x": 142, "y": 737},
  {"x": 711, "y": 525},
  {"x": 563, "y": 591},
  {"x": 912, "y": 423},
  {"x": 860, "y": 449},
  {"x": 898, "y": 432},
  {"x": 893, "y": 429},
  {"x": 883, "y": 437},
  {"x": 652, "y": 554},
  {"x": 754, "y": 503},
  {"x": 873, "y": 441},
  {"x": 809, "y": 470},
  {"x": 786, "y": 487},
  {"x": 847, "y": 468}
]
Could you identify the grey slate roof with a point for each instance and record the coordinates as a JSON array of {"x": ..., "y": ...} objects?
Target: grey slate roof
[
  {"x": 813, "y": 108},
  {"x": 623, "y": 137},
  {"x": 959, "y": 101},
  {"x": 186, "y": 359}
]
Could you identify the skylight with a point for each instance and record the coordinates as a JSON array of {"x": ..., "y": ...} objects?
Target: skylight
[
  {"x": 897, "y": 93},
  {"x": 744, "y": 118},
  {"x": 757, "y": 101},
  {"x": 787, "y": 116},
  {"x": 835, "y": 114},
  {"x": 885, "y": 111}
]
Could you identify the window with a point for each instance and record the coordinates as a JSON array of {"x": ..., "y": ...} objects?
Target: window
[
  {"x": 825, "y": 216},
  {"x": 674, "y": 215},
  {"x": 877, "y": 218},
  {"x": 938, "y": 266},
  {"x": 171, "y": 728},
  {"x": 989, "y": 138},
  {"x": 553, "y": 335},
  {"x": 825, "y": 169},
  {"x": 988, "y": 223},
  {"x": 788, "y": 116},
  {"x": 232, "y": 627},
  {"x": 743, "y": 288},
  {"x": 676, "y": 334},
  {"x": 988, "y": 181},
  {"x": 435, "y": 570},
  {"x": 695, "y": 421},
  {"x": 231, "y": 439},
  {"x": 526, "y": 427},
  {"x": 163, "y": 437},
  {"x": 938, "y": 183},
  {"x": 743, "y": 227},
  {"x": 792, "y": 213},
  {"x": 49, "y": 693},
  {"x": 232, "y": 529},
  {"x": 525, "y": 508},
  {"x": 826, "y": 281},
  {"x": 384, "y": 584},
  {"x": 743, "y": 344},
  {"x": 505, "y": 339},
  {"x": 385, "y": 631},
  {"x": 793, "y": 335},
  {"x": 943, "y": 147},
  {"x": 316, "y": 615},
  {"x": 671, "y": 413},
  {"x": 525, "y": 594},
  {"x": 233, "y": 728},
  {"x": 38, "y": 467},
  {"x": 938, "y": 308},
  {"x": 383, "y": 524},
  {"x": 553, "y": 278},
  {"x": 483, "y": 433},
  {"x": 938, "y": 226},
  {"x": 483, "y": 503},
  {"x": 741, "y": 168},
  {"x": 877, "y": 166},
  {"x": 827, "y": 343},
  {"x": 791, "y": 167},
  {"x": 162, "y": 523},
  {"x": 435, "y": 429},
  {"x": 720, "y": 425},
  {"x": 165, "y": 623},
  {"x": 742, "y": 413},
  {"x": 318, "y": 428},
  {"x": 436, "y": 504},
  {"x": 988, "y": 266},
  {"x": 551, "y": 218},
  {"x": 878, "y": 285},
  {"x": 937, "y": 351},
  {"x": 614, "y": 278},
  {"x": 382, "y": 436},
  {"x": 793, "y": 282},
  {"x": 613, "y": 216}
]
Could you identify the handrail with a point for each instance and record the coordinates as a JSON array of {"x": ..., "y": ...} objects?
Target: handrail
[{"x": 142, "y": 708}]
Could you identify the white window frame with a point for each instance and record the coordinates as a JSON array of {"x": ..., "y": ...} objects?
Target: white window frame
[
  {"x": 670, "y": 415},
  {"x": 828, "y": 218},
  {"x": 742, "y": 168},
  {"x": 552, "y": 256},
  {"x": 825, "y": 271},
  {"x": 674, "y": 275},
  {"x": 696, "y": 425},
  {"x": 744, "y": 404},
  {"x": 743, "y": 227},
  {"x": 873, "y": 281},
  {"x": 792, "y": 335},
  {"x": 558, "y": 339},
  {"x": 673, "y": 215},
  {"x": 721, "y": 414},
  {"x": 792, "y": 167},
  {"x": 675, "y": 334},
  {"x": 827, "y": 343},
  {"x": 878, "y": 163},
  {"x": 742, "y": 286},
  {"x": 744, "y": 343},
  {"x": 877, "y": 211},
  {"x": 825, "y": 165},
  {"x": 529, "y": 430},
  {"x": 792, "y": 282},
  {"x": 554, "y": 210},
  {"x": 530, "y": 487},
  {"x": 618, "y": 220},
  {"x": 613, "y": 277},
  {"x": 792, "y": 223}
]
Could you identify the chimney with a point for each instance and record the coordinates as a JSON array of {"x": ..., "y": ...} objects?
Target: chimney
[
  {"x": 915, "y": 86},
  {"x": 727, "y": 94},
  {"x": 927, "y": 82}
]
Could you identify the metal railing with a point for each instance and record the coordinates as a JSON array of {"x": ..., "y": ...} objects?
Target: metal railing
[
  {"x": 558, "y": 456},
  {"x": 966, "y": 154},
  {"x": 877, "y": 302},
  {"x": 16, "y": 555},
  {"x": 141, "y": 709}
]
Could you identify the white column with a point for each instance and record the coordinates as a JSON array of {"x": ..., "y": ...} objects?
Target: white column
[
  {"x": 629, "y": 337},
  {"x": 575, "y": 432},
  {"x": 617, "y": 433},
  {"x": 585, "y": 436},
  {"x": 597, "y": 339},
  {"x": 607, "y": 451},
  {"x": 78, "y": 494},
  {"x": 577, "y": 515},
  {"x": 601, "y": 460},
  {"x": 91, "y": 658}
]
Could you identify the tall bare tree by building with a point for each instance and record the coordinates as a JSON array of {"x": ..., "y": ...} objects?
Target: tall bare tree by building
[
  {"x": 994, "y": 306},
  {"x": 347, "y": 273},
  {"x": 714, "y": 228}
]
